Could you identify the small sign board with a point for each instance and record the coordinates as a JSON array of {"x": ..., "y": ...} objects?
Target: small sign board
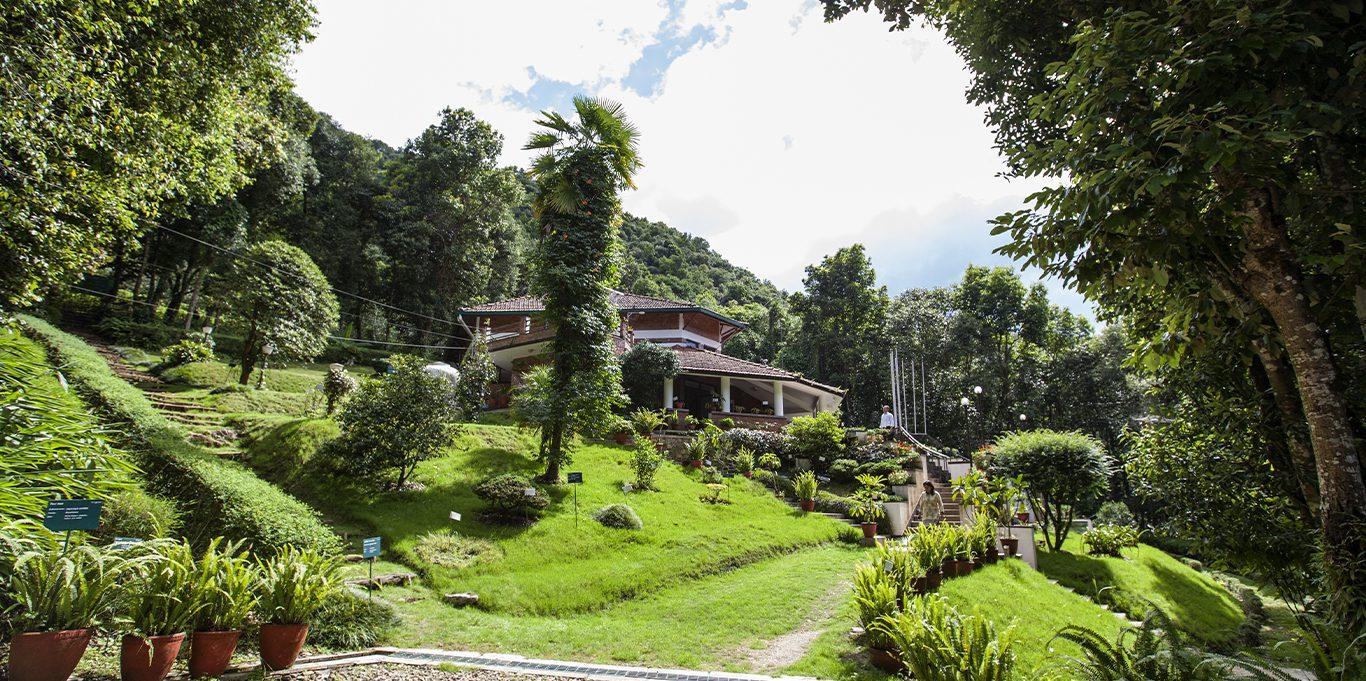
[
  {"x": 529, "y": 492},
  {"x": 727, "y": 474},
  {"x": 121, "y": 543},
  {"x": 370, "y": 547},
  {"x": 627, "y": 487},
  {"x": 72, "y": 514},
  {"x": 576, "y": 478},
  {"x": 455, "y": 516},
  {"x": 823, "y": 478}
]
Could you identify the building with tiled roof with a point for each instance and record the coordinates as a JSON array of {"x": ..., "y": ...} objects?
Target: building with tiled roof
[{"x": 711, "y": 384}]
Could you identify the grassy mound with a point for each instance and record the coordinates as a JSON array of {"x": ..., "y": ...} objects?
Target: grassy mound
[
  {"x": 216, "y": 495},
  {"x": 1007, "y": 593},
  {"x": 563, "y": 564},
  {"x": 1146, "y": 578},
  {"x": 279, "y": 448}
]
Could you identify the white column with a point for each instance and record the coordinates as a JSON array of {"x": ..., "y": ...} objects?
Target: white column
[
  {"x": 668, "y": 393},
  {"x": 777, "y": 398},
  {"x": 725, "y": 393}
]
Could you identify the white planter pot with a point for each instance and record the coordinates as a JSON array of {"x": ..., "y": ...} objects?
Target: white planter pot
[
  {"x": 903, "y": 491},
  {"x": 898, "y": 516}
]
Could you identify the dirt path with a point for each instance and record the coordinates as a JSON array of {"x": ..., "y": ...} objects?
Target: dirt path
[{"x": 789, "y": 648}]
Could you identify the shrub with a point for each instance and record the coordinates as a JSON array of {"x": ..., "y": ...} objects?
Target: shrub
[
  {"x": 882, "y": 468},
  {"x": 1059, "y": 471},
  {"x": 769, "y": 461},
  {"x": 477, "y": 374},
  {"x": 843, "y": 470},
  {"x": 1108, "y": 540},
  {"x": 727, "y": 423},
  {"x": 711, "y": 475},
  {"x": 829, "y": 502},
  {"x": 644, "y": 368},
  {"x": 744, "y": 461},
  {"x": 186, "y": 351},
  {"x": 816, "y": 437},
  {"x": 135, "y": 513},
  {"x": 138, "y": 334},
  {"x": 215, "y": 496},
  {"x": 619, "y": 516},
  {"x": 347, "y": 621},
  {"x": 935, "y": 641},
  {"x": 645, "y": 460},
  {"x": 1155, "y": 650},
  {"x": 757, "y": 441},
  {"x": 646, "y": 421},
  {"x": 804, "y": 486},
  {"x": 506, "y": 495},
  {"x": 1114, "y": 513},
  {"x": 337, "y": 385},
  {"x": 775, "y": 481},
  {"x": 713, "y": 493},
  {"x": 294, "y": 585},
  {"x": 394, "y": 423},
  {"x": 451, "y": 550}
]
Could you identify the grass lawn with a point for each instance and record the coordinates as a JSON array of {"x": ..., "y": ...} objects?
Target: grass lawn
[
  {"x": 715, "y": 622},
  {"x": 1006, "y": 593},
  {"x": 1145, "y": 578},
  {"x": 558, "y": 567}
]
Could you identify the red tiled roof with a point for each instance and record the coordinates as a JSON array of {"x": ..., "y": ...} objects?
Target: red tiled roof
[
  {"x": 693, "y": 359},
  {"x": 626, "y": 302}
]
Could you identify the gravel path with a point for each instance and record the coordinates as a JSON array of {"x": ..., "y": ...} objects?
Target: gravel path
[{"x": 412, "y": 672}]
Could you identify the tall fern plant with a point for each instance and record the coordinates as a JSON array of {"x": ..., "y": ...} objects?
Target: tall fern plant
[
  {"x": 294, "y": 585},
  {"x": 47, "y": 589}
]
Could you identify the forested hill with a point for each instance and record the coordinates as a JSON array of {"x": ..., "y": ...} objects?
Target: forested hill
[{"x": 662, "y": 261}]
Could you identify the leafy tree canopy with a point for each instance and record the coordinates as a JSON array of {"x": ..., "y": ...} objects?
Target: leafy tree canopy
[{"x": 1059, "y": 470}]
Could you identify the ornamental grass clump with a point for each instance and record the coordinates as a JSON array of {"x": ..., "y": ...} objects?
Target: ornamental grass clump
[
  {"x": 228, "y": 579},
  {"x": 1109, "y": 540},
  {"x": 295, "y": 583},
  {"x": 618, "y": 516}
]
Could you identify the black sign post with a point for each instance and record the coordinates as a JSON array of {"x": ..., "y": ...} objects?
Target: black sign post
[
  {"x": 370, "y": 548},
  {"x": 65, "y": 515},
  {"x": 576, "y": 478}
]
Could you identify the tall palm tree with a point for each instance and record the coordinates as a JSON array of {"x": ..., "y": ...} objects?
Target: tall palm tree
[
  {"x": 581, "y": 167},
  {"x": 602, "y": 126}
]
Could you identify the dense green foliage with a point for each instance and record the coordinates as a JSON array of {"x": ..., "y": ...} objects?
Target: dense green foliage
[
  {"x": 49, "y": 589},
  {"x": 477, "y": 373},
  {"x": 116, "y": 109},
  {"x": 937, "y": 643},
  {"x": 52, "y": 446},
  {"x": 217, "y": 497},
  {"x": 581, "y": 168},
  {"x": 280, "y": 302},
  {"x": 393, "y": 422},
  {"x": 1059, "y": 471},
  {"x": 295, "y": 583},
  {"x": 619, "y": 516},
  {"x": 644, "y": 368}
]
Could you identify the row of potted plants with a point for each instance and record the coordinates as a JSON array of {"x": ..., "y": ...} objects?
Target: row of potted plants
[
  {"x": 900, "y": 573},
  {"x": 156, "y": 592}
]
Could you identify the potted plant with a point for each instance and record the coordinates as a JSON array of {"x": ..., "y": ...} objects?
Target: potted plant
[
  {"x": 866, "y": 505},
  {"x": 875, "y": 598},
  {"x": 744, "y": 462},
  {"x": 59, "y": 597},
  {"x": 164, "y": 598},
  {"x": 646, "y": 421},
  {"x": 228, "y": 599},
  {"x": 294, "y": 584},
  {"x": 804, "y": 486},
  {"x": 962, "y": 551},
  {"x": 697, "y": 451}
]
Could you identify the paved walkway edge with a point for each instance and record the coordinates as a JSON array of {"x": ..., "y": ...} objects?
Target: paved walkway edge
[{"x": 511, "y": 663}]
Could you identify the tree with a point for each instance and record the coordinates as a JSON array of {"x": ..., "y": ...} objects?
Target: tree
[
  {"x": 579, "y": 172},
  {"x": 276, "y": 296},
  {"x": 395, "y": 422},
  {"x": 644, "y": 368},
  {"x": 1059, "y": 471},
  {"x": 140, "y": 102},
  {"x": 1212, "y": 155},
  {"x": 840, "y": 339}
]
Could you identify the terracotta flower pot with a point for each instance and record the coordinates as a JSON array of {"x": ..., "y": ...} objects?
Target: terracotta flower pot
[
  {"x": 886, "y": 660},
  {"x": 920, "y": 585},
  {"x": 143, "y": 659},
  {"x": 281, "y": 644},
  {"x": 1011, "y": 545},
  {"x": 949, "y": 568},
  {"x": 869, "y": 530},
  {"x": 211, "y": 652},
  {"x": 964, "y": 568},
  {"x": 47, "y": 655},
  {"x": 696, "y": 463},
  {"x": 623, "y": 437},
  {"x": 807, "y": 505},
  {"x": 748, "y": 474}
]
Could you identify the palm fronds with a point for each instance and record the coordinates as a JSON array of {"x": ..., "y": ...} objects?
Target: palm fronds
[{"x": 1155, "y": 651}]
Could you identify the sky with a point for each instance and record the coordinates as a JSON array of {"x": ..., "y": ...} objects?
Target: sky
[{"x": 777, "y": 137}]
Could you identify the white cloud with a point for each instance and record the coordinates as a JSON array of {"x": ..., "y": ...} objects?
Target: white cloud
[{"x": 780, "y": 141}]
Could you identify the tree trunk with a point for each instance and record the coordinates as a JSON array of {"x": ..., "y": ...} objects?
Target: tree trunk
[
  {"x": 248, "y": 356},
  {"x": 117, "y": 278},
  {"x": 1273, "y": 279},
  {"x": 1287, "y": 421},
  {"x": 553, "y": 454},
  {"x": 194, "y": 299}
]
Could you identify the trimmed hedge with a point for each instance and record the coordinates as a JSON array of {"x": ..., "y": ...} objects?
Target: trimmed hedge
[{"x": 216, "y": 496}]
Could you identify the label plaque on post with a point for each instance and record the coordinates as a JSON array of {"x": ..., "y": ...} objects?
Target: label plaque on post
[
  {"x": 576, "y": 478},
  {"x": 72, "y": 514},
  {"x": 370, "y": 547}
]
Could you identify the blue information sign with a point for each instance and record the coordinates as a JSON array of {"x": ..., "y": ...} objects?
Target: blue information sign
[
  {"x": 370, "y": 547},
  {"x": 72, "y": 514}
]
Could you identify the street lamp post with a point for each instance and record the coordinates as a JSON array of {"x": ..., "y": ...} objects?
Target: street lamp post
[{"x": 266, "y": 351}]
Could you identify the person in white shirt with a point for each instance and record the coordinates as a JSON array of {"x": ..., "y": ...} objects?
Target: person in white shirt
[{"x": 888, "y": 419}]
